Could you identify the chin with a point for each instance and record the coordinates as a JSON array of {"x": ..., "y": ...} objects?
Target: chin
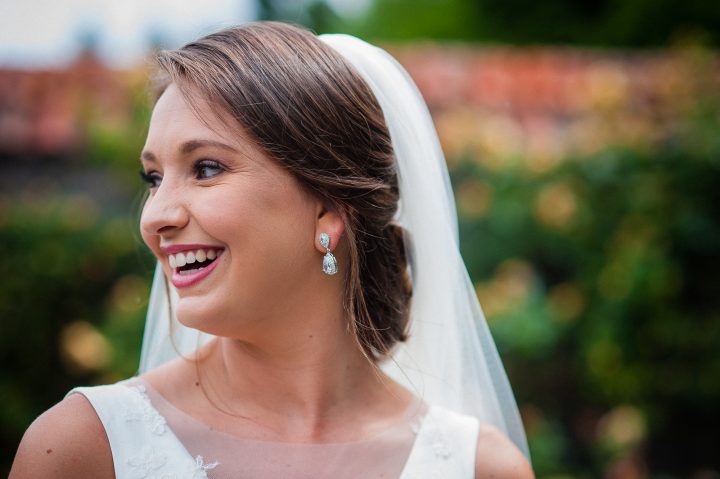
[{"x": 194, "y": 313}]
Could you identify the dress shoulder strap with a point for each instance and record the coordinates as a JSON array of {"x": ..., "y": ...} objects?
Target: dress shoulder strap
[
  {"x": 142, "y": 444},
  {"x": 445, "y": 446}
]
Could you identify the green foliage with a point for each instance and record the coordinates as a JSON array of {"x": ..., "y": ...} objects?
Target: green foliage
[
  {"x": 636, "y": 23},
  {"x": 75, "y": 276},
  {"x": 604, "y": 301},
  {"x": 73, "y": 286}
]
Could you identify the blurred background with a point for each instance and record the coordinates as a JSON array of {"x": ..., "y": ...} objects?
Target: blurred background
[{"x": 583, "y": 143}]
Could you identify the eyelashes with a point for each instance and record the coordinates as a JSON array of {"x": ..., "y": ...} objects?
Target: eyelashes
[
  {"x": 202, "y": 170},
  {"x": 207, "y": 169},
  {"x": 152, "y": 179}
]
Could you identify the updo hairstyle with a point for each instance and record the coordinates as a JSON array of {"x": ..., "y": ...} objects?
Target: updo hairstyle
[{"x": 310, "y": 110}]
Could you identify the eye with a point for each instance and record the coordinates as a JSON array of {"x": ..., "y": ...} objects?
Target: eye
[
  {"x": 207, "y": 169},
  {"x": 153, "y": 179}
]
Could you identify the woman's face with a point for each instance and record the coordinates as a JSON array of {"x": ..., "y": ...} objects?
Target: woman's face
[{"x": 234, "y": 232}]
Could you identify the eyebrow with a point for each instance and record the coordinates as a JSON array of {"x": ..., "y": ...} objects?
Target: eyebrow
[{"x": 190, "y": 146}]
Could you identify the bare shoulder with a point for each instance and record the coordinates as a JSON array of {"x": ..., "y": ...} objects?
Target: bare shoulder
[
  {"x": 497, "y": 457},
  {"x": 68, "y": 440}
]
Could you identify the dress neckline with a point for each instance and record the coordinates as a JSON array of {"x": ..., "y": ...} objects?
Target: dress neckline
[
  {"x": 412, "y": 417},
  {"x": 426, "y": 428}
]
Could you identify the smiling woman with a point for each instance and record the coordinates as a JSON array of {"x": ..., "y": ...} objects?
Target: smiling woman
[
  {"x": 301, "y": 214},
  {"x": 213, "y": 191}
]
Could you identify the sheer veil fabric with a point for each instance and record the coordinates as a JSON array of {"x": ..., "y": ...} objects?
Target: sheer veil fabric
[{"x": 450, "y": 358}]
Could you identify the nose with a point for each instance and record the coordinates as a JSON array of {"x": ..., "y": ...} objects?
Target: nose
[{"x": 164, "y": 211}]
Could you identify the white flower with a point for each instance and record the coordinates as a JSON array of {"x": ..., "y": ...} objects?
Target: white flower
[{"x": 146, "y": 462}]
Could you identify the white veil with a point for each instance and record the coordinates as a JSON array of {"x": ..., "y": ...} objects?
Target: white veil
[{"x": 450, "y": 358}]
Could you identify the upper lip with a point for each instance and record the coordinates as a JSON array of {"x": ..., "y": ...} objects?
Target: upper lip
[{"x": 180, "y": 248}]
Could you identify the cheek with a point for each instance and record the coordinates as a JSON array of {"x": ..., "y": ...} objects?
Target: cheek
[
  {"x": 257, "y": 210},
  {"x": 287, "y": 216},
  {"x": 269, "y": 229},
  {"x": 290, "y": 229}
]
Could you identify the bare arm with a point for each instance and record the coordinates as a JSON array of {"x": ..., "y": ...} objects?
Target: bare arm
[
  {"x": 498, "y": 458},
  {"x": 67, "y": 441}
]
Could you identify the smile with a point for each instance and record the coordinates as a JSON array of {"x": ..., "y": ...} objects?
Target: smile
[{"x": 192, "y": 265}]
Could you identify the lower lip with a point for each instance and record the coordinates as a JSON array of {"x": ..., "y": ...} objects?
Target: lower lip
[{"x": 185, "y": 280}]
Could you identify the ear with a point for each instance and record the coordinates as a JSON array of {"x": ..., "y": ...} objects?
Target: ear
[{"x": 330, "y": 221}]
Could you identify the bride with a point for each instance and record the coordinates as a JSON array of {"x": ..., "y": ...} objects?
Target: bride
[{"x": 311, "y": 315}]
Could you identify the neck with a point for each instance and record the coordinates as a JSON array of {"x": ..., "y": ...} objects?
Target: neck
[{"x": 298, "y": 384}]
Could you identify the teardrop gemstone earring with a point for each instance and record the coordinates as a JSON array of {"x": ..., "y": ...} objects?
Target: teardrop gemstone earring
[{"x": 329, "y": 261}]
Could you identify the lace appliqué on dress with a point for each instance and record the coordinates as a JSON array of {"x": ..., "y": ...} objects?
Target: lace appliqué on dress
[
  {"x": 146, "y": 463},
  {"x": 143, "y": 411},
  {"x": 149, "y": 463},
  {"x": 198, "y": 472},
  {"x": 440, "y": 447}
]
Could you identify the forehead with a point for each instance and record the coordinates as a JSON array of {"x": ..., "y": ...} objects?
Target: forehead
[{"x": 175, "y": 120}]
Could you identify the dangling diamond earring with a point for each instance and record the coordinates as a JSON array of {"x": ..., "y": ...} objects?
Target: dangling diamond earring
[{"x": 329, "y": 261}]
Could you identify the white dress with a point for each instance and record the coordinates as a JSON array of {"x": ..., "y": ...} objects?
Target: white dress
[{"x": 145, "y": 447}]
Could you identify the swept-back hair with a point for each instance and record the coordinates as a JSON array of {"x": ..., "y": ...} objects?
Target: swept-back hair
[{"x": 302, "y": 103}]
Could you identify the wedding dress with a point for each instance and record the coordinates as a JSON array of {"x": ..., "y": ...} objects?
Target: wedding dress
[{"x": 431, "y": 442}]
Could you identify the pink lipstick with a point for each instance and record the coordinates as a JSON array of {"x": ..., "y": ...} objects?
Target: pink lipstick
[{"x": 191, "y": 264}]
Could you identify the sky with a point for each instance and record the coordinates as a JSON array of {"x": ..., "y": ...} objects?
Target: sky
[{"x": 49, "y": 33}]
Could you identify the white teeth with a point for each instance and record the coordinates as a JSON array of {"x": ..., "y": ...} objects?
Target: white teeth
[
  {"x": 186, "y": 272},
  {"x": 178, "y": 260}
]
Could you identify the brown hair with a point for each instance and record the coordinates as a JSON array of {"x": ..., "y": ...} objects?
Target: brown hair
[{"x": 312, "y": 112}]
